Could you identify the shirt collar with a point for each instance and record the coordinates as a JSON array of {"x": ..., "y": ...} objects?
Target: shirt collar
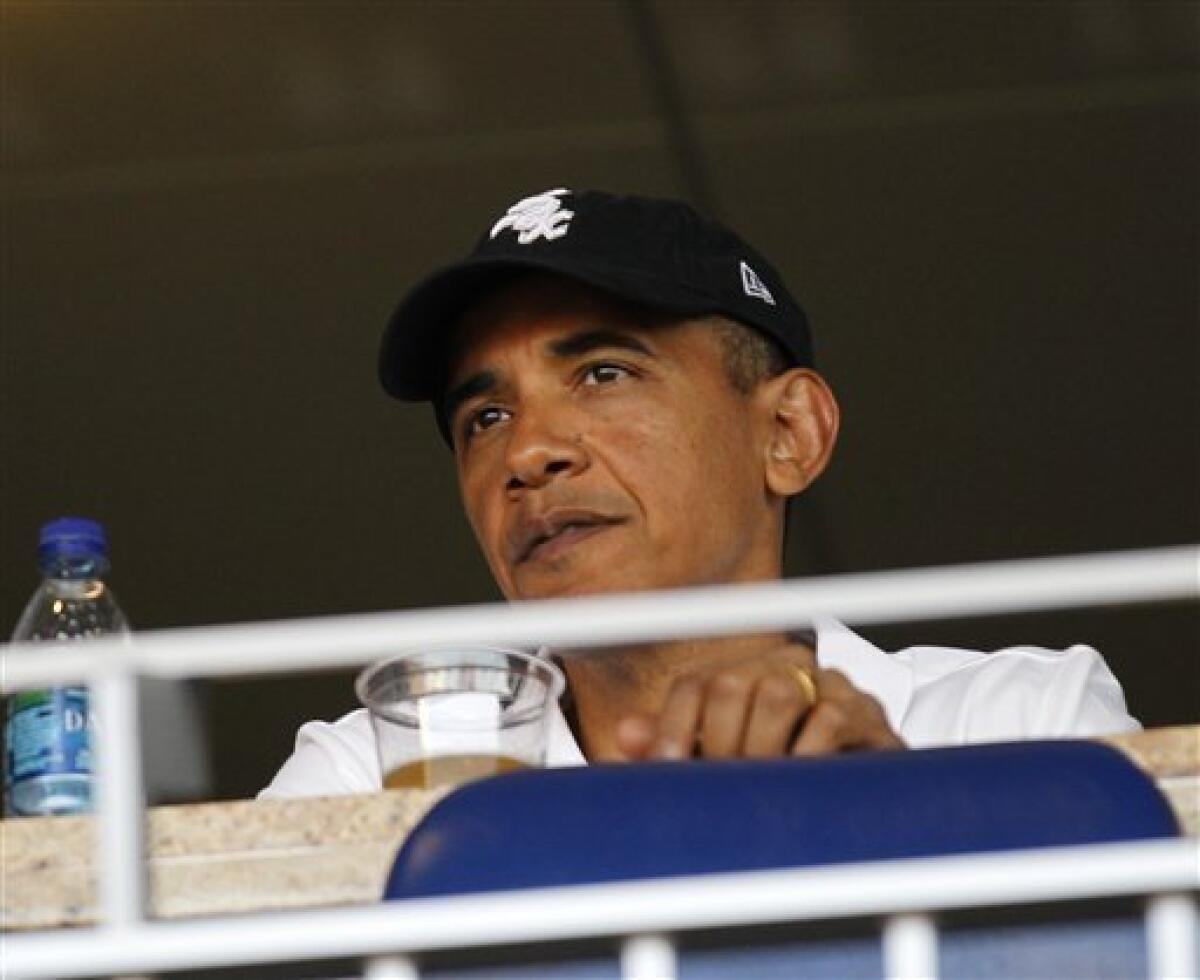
[
  {"x": 838, "y": 648},
  {"x": 561, "y": 747}
]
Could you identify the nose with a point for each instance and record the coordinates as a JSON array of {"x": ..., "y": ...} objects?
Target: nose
[{"x": 538, "y": 451}]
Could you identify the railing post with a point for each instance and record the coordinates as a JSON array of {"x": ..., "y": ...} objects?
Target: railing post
[
  {"x": 1171, "y": 936},
  {"x": 910, "y": 947},
  {"x": 120, "y": 811},
  {"x": 648, "y": 958},
  {"x": 390, "y": 968}
]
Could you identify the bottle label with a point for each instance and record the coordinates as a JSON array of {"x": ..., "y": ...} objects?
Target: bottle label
[{"x": 48, "y": 733}]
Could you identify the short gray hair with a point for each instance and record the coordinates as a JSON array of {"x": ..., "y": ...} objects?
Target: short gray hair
[{"x": 750, "y": 356}]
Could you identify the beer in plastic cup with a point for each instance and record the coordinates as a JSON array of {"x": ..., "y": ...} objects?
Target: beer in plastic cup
[{"x": 446, "y": 716}]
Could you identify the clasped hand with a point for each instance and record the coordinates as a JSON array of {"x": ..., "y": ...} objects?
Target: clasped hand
[{"x": 759, "y": 708}]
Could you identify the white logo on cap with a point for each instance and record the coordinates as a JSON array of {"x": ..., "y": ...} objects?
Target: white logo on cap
[
  {"x": 755, "y": 286},
  {"x": 540, "y": 216}
]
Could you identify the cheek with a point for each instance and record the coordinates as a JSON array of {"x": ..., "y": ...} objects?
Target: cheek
[
  {"x": 483, "y": 510},
  {"x": 704, "y": 470},
  {"x": 661, "y": 459}
]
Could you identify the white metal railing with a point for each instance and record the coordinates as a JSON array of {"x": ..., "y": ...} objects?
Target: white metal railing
[
  {"x": 907, "y": 889},
  {"x": 126, "y": 942}
]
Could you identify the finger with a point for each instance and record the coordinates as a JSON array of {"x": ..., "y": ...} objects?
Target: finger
[
  {"x": 844, "y": 718},
  {"x": 868, "y": 726},
  {"x": 825, "y": 730},
  {"x": 726, "y": 708},
  {"x": 678, "y": 721},
  {"x": 778, "y": 706},
  {"x": 829, "y": 729},
  {"x": 635, "y": 737}
]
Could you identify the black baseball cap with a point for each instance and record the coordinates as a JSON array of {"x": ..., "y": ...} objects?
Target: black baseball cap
[{"x": 659, "y": 253}]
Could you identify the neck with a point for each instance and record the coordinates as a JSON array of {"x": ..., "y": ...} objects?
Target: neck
[{"x": 609, "y": 684}]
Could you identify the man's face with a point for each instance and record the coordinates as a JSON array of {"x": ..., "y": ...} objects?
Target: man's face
[{"x": 602, "y": 448}]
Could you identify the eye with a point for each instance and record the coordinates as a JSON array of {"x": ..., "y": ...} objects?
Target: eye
[
  {"x": 484, "y": 418},
  {"x": 605, "y": 374}
]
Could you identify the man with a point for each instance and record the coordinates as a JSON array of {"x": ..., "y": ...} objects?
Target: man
[{"x": 629, "y": 393}]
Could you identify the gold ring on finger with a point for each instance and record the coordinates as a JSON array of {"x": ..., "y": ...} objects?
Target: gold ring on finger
[{"x": 804, "y": 679}]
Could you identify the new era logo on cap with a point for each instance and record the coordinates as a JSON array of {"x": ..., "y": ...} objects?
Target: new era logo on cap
[
  {"x": 540, "y": 216},
  {"x": 753, "y": 286}
]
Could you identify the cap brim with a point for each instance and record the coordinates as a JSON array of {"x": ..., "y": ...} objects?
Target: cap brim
[{"x": 412, "y": 361}]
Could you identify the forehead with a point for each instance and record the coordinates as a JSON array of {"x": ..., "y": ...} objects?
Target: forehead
[{"x": 536, "y": 305}]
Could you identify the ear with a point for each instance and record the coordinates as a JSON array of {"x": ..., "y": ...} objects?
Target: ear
[{"x": 803, "y": 422}]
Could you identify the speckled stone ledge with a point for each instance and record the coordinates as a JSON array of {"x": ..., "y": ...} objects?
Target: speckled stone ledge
[
  {"x": 209, "y": 858},
  {"x": 212, "y": 858}
]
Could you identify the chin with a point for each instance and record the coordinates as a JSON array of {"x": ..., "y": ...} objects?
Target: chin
[
  {"x": 564, "y": 584},
  {"x": 563, "y": 590},
  {"x": 578, "y": 586}
]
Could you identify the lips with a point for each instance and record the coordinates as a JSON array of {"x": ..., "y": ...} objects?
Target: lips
[{"x": 534, "y": 535}]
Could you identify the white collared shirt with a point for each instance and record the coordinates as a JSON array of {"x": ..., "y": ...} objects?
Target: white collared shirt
[{"x": 931, "y": 695}]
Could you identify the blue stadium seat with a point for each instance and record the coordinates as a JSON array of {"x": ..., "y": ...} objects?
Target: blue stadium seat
[{"x": 621, "y": 822}]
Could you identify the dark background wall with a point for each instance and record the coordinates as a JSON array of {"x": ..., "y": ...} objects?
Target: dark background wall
[{"x": 208, "y": 209}]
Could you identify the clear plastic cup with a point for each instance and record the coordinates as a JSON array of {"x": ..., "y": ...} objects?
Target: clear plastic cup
[{"x": 444, "y": 717}]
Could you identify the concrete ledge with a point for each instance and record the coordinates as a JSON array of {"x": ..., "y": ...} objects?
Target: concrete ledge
[{"x": 211, "y": 858}]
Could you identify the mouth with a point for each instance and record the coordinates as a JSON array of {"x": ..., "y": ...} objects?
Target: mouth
[{"x": 554, "y": 533}]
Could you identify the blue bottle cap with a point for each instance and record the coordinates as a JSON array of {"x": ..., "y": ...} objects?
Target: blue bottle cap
[{"x": 73, "y": 537}]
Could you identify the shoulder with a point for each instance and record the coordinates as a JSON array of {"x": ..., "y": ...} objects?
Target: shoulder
[
  {"x": 329, "y": 758},
  {"x": 1017, "y": 692}
]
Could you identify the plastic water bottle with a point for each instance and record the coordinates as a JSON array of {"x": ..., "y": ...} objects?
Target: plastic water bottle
[{"x": 47, "y": 733}]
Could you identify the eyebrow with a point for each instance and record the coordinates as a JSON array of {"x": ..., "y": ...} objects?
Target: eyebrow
[
  {"x": 586, "y": 341},
  {"x": 476, "y": 384},
  {"x": 573, "y": 345}
]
